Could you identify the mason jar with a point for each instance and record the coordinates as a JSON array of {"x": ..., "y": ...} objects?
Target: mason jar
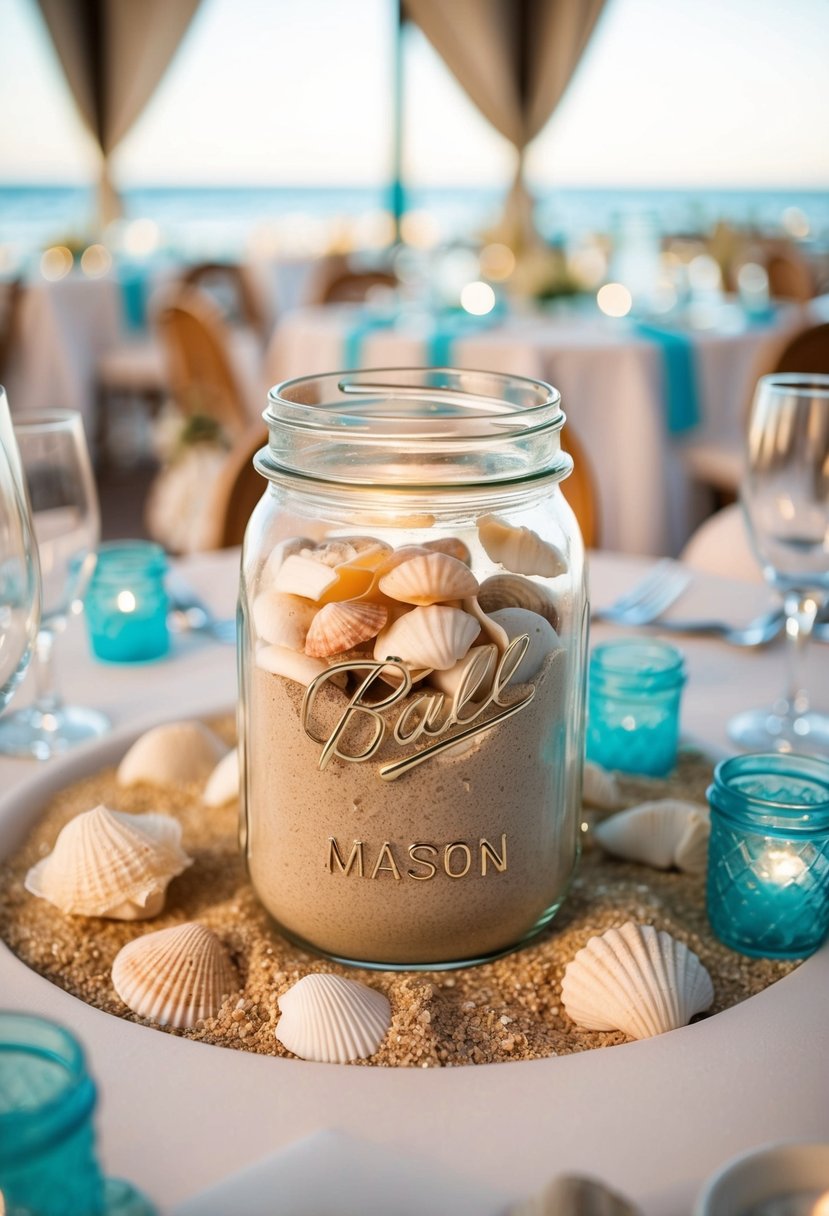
[{"x": 413, "y": 619}]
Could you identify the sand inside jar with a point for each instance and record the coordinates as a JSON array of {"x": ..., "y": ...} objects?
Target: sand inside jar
[
  {"x": 493, "y": 826},
  {"x": 506, "y": 1010}
]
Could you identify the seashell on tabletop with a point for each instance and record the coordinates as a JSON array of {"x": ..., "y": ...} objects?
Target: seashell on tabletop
[
  {"x": 283, "y": 619},
  {"x": 635, "y": 979},
  {"x": 516, "y": 591},
  {"x": 332, "y": 1020},
  {"x": 293, "y": 665},
  {"x": 572, "y": 1195},
  {"x": 600, "y": 788},
  {"x": 664, "y": 834},
  {"x": 519, "y": 550},
  {"x": 108, "y": 863},
  {"x": 543, "y": 639},
  {"x": 337, "y": 628},
  {"x": 223, "y": 783},
  {"x": 433, "y": 636},
  {"x": 175, "y": 976},
  {"x": 175, "y": 752},
  {"x": 429, "y": 578}
]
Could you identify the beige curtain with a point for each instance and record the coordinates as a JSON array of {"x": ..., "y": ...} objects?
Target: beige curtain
[
  {"x": 514, "y": 58},
  {"x": 114, "y": 53}
]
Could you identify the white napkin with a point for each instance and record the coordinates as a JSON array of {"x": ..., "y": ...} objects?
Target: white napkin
[{"x": 333, "y": 1174}]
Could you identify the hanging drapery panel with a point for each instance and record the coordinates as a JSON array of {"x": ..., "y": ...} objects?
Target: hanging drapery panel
[
  {"x": 114, "y": 53},
  {"x": 514, "y": 59}
]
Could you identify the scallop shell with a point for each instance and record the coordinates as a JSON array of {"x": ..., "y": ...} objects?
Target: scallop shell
[
  {"x": 601, "y": 789},
  {"x": 282, "y": 619},
  {"x": 515, "y": 591},
  {"x": 177, "y": 752},
  {"x": 337, "y": 628},
  {"x": 300, "y": 668},
  {"x": 572, "y": 1195},
  {"x": 635, "y": 979},
  {"x": 108, "y": 863},
  {"x": 176, "y": 976},
  {"x": 519, "y": 550},
  {"x": 305, "y": 576},
  {"x": 434, "y": 636},
  {"x": 543, "y": 639},
  {"x": 661, "y": 834},
  {"x": 429, "y": 578},
  {"x": 332, "y": 1020},
  {"x": 452, "y": 546},
  {"x": 223, "y": 783}
]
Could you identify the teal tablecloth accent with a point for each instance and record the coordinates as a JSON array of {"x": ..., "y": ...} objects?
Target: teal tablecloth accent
[
  {"x": 365, "y": 325},
  {"x": 682, "y": 408},
  {"x": 450, "y": 325},
  {"x": 134, "y": 285}
]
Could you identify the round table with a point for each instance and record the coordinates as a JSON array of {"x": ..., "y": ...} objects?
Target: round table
[{"x": 653, "y": 1118}]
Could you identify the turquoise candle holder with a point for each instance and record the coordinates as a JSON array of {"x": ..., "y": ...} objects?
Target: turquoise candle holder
[
  {"x": 633, "y": 695},
  {"x": 768, "y": 859},
  {"x": 48, "y": 1165},
  {"x": 126, "y": 604}
]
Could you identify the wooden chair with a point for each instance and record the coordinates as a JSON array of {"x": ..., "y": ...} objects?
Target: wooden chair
[
  {"x": 580, "y": 490},
  {"x": 719, "y": 467},
  {"x": 790, "y": 276},
  {"x": 200, "y": 369},
  {"x": 233, "y": 291}
]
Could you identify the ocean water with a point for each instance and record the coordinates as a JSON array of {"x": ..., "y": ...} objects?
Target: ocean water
[{"x": 222, "y": 220}]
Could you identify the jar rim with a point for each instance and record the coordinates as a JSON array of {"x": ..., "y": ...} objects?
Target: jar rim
[{"x": 811, "y": 769}]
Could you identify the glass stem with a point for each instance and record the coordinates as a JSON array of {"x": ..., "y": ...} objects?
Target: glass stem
[
  {"x": 801, "y": 609},
  {"x": 47, "y": 698}
]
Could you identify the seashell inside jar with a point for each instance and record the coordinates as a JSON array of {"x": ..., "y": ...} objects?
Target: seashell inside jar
[{"x": 414, "y": 615}]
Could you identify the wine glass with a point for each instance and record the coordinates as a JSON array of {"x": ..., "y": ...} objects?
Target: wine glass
[
  {"x": 64, "y": 503},
  {"x": 785, "y": 497},
  {"x": 19, "y": 577}
]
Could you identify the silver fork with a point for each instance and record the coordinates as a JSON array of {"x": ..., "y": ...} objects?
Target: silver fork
[
  {"x": 190, "y": 614},
  {"x": 649, "y": 598}
]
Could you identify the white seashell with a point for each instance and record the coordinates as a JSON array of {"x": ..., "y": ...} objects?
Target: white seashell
[
  {"x": 278, "y": 554},
  {"x": 519, "y": 550},
  {"x": 332, "y": 1020},
  {"x": 491, "y": 630},
  {"x": 485, "y": 659},
  {"x": 305, "y": 576},
  {"x": 434, "y": 636},
  {"x": 429, "y": 578},
  {"x": 601, "y": 789},
  {"x": 223, "y": 783},
  {"x": 515, "y": 591},
  {"x": 452, "y": 546},
  {"x": 176, "y": 976},
  {"x": 331, "y": 552},
  {"x": 637, "y": 980},
  {"x": 108, "y": 863},
  {"x": 662, "y": 834},
  {"x": 175, "y": 752},
  {"x": 282, "y": 619},
  {"x": 543, "y": 639},
  {"x": 300, "y": 668},
  {"x": 337, "y": 628},
  {"x": 573, "y": 1195}
]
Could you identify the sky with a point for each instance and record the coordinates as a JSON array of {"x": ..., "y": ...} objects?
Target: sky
[{"x": 669, "y": 93}]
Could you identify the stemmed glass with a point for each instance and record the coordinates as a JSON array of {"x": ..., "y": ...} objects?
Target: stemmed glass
[
  {"x": 64, "y": 503},
  {"x": 785, "y": 497},
  {"x": 19, "y": 577}
]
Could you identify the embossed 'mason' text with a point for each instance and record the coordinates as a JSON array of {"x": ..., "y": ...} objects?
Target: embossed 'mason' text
[{"x": 420, "y": 862}]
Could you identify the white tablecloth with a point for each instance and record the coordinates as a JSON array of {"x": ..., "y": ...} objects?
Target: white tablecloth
[
  {"x": 612, "y": 386},
  {"x": 653, "y": 1118}
]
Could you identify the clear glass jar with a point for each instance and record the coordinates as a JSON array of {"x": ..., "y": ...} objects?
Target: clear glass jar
[{"x": 413, "y": 629}]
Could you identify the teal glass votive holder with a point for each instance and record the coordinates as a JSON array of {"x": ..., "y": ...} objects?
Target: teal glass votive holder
[
  {"x": 48, "y": 1165},
  {"x": 126, "y": 603},
  {"x": 634, "y": 689},
  {"x": 768, "y": 858}
]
